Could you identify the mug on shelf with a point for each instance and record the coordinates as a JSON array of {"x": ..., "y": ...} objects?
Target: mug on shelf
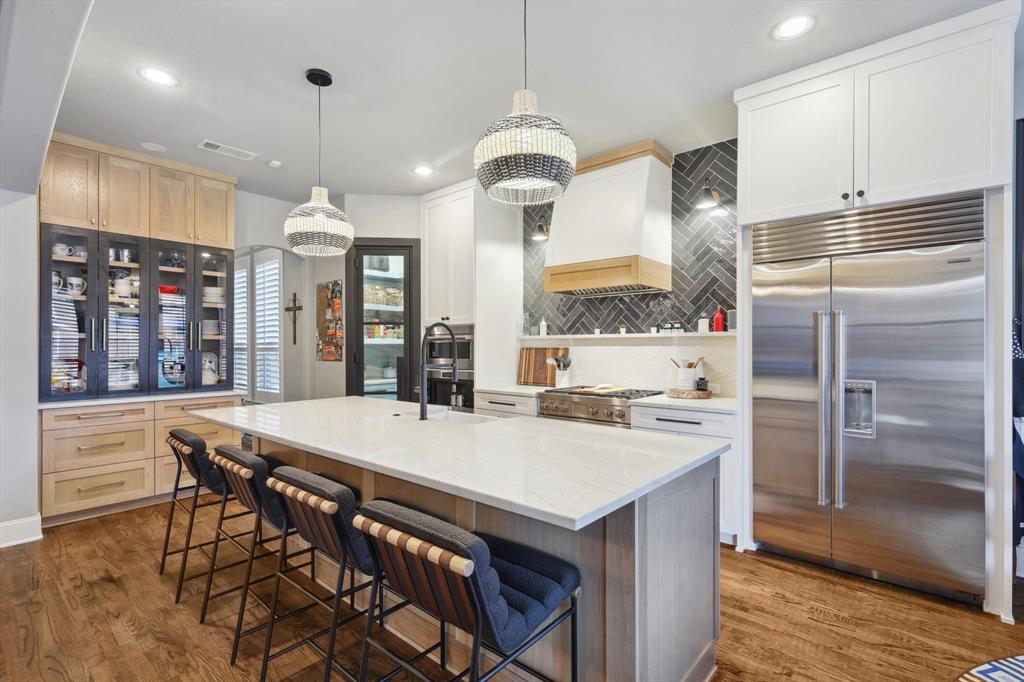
[
  {"x": 56, "y": 280},
  {"x": 62, "y": 249},
  {"x": 79, "y": 251},
  {"x": 76, "y": 285},
  {"x": 123, "y": 287}
]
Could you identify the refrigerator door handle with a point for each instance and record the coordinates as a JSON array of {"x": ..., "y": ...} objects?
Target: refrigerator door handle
[
  {"x": 821, "y": 319},
  {"x": 838, "y": 406}
]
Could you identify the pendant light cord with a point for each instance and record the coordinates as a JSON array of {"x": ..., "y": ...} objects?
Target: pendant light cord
[
  {"x": 524, "y": 45},
  {"x": 319, "y": 141}
]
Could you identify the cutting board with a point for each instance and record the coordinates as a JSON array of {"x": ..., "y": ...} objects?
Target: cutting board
[{"x": 534, "y": 369}]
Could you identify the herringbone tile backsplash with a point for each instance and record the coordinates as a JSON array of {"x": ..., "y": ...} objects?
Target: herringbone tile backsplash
[{"x": 703, "y": 259}]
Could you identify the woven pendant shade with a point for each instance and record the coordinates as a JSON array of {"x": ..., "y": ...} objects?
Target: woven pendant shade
[
  {"x": 318, "y": 228},
  {"x": 525, "y": 158}
]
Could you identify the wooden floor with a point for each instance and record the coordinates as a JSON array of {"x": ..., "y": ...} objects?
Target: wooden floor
[{"x": 86, "y": 603}]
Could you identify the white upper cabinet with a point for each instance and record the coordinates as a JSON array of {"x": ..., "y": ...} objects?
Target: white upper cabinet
[
  {"x": 932, "y": 119},
  {"x": 450, "y": 262},
  {"x": 923, "y": 114},
  {"x": 796, "y": 150}
]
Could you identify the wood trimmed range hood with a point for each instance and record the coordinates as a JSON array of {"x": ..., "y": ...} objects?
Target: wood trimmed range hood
[{"x": 611, "y": 232}]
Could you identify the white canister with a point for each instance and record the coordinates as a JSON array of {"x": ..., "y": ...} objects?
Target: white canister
[
  {"x": 704, "y": 325},
  {"x": 562, "y": 378},
  {"x": 686, "y": 378}
]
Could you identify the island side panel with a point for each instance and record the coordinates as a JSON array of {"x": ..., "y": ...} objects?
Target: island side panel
[{"x": 678, "y": 585}]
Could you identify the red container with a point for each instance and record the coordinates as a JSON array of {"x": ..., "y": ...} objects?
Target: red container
[{"x": 718, "y": 321}]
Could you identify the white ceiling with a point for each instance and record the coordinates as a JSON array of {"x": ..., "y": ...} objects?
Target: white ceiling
[{"x": 418, "y": 81}]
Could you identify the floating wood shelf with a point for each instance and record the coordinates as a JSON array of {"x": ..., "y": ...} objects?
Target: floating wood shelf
[
  {"x": 214, "y": 305},
  {"x": 168, "y": 268},
  {"x": 70, "y": 259},
  {"x": 213, "y": 337},
  {"x": 124, "y": 264},
  {"x": 214, "y": 273}
]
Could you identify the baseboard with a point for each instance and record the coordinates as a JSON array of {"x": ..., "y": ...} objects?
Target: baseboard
[
  {"x": 18, "y": 531},
  {"x": 1020, "y": 560},
  {"x": 727, "y": 538}
]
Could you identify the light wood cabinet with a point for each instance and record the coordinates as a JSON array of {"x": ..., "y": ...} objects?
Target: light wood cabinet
[
  {"x": 88, "y": 446},
  {"x": 215, "y": 213},
  {"x": 213, "y": 434},
  {"x": 171, "y": 205},
  {"x": 169, "y": 409},
  {"x": 69, "y": 187},
  {"x": 105, "y": 415},
  {"x": 166, "y": 470},
  {"x": 124, "y": 195},
  {"x": 71, "y": 491},
  {"x": 450, "y": 262}
]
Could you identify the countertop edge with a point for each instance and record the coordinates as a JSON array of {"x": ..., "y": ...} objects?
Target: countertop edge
[{"x": 127, "y": 400}]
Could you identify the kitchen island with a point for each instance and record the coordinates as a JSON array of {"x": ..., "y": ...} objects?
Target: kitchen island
[{"x": 636, "y": 512}]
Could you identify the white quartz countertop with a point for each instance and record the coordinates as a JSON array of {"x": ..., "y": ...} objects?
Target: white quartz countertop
[
  {"x": 511, "y": 389},
  {"x": 559, "y": 472},
  {"x": 727, "y": 405},
  {"x": 97, "y": 402}
]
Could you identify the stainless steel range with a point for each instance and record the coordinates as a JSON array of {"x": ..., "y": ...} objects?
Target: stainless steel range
[{"x": 603, "y": 404}]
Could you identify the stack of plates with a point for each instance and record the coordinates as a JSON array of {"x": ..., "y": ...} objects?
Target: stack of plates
[
  {"x": 211, "y": 327},
  {"x": 213, "y": 295}
]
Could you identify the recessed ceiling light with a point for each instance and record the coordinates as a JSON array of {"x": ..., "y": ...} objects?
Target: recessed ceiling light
[
  {"x": 423, "y": 170},
  {"x": 153, "y": 147},
  {"x": 158, "y": 76},
  {"x": 793, "y": 28},
  {"x": 274, "y": 163}
]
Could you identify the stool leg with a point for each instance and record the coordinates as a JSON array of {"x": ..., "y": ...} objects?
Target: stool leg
[
  {"x": 474, "y": 664},
  {"x": 352, "y": 583},
  {"x": 444, "y": 646},
  {"x": 213, "y": 556},
  {"x": 575, "y": 635},
  {"x": 170, "y": 517},
  {"x": 188, "y": 541},
  {"x": 339, "y": 587},
  {"x": 364, "y": 665},
  {"x": 253, "y": 544},
  {"x": 273, "y": 601}
]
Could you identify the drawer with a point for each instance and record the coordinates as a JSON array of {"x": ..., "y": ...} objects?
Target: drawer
[
  {"x": 71, "y": 491},
  {"x": 691, "y": 422},
  {"x": 167, "y": 409},
  {"x": 507, "y": 404},
  {"x": 213, "y": 434},
  {"x": 94, "y": 416},
  {"x": 166, "y": 468},
  {"x": 88, "y": 446}
]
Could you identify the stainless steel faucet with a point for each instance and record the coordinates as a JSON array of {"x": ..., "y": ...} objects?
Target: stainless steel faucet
[{"x": 424, "y": 366}]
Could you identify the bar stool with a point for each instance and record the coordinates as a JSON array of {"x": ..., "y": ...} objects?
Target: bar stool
[
  {"x": 497, "y": 590},
  {"x": 190, "y": 452},
  {"x": 321, "y": 511},
  {"x": 246, "y": 477}
]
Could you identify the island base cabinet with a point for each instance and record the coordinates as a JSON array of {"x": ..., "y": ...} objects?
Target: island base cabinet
[
  {"x": 71, "y": 491},
  {"x": 649, "y": 595}
]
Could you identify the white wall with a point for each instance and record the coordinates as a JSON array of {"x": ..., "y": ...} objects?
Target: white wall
[{"x": 259, "y": 220}]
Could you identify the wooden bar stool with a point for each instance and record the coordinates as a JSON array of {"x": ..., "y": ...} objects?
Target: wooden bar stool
[
  {"x": 497, "y": 590},
  {"x": 246, "y": 476},
  {"x": 321, "y": 510},
  {"x": 190, "y": 452}
]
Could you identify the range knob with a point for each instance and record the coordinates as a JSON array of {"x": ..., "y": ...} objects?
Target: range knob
[
  {"x": 565, "y": 407},
  {"x": 608, "y": 413},
  {"x": 620, "y": 414},
  {"x": 593, "y": 411},
  {"x": 545, "y": 405}
]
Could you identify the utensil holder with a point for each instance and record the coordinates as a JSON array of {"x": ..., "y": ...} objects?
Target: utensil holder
[
  {"x": 686, "y": 378},
  {"x": 562, "y": 378}
]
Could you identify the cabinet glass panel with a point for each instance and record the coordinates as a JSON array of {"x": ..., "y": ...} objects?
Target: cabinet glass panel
[
  {"x": 212, "y": 327},
  {"x": 384, "y": 329},
  {"x": 121, "y": 328},
  {"x": 174, "y": 341},
  {"x": 72, "y": 330}
]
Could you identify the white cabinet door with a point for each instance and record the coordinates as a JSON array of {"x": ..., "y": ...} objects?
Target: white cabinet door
[
  {"x": 934, "y": 119},
  {"x": 796, "y": 150},
  {"x": 463, "y": 258},
  {"x": 437, "y": 260}
]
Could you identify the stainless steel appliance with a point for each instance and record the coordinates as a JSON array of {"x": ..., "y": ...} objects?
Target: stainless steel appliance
[
  {"x": 590, "y": 403},
  {"x": 868, "y": 392},
  {"x": 440, "y": 348}
]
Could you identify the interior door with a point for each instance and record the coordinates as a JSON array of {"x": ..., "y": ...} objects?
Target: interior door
[
  {"x": 797, "y": 153},
  {"x": 791, "y": 373},
  {"x": 910, "y": 485}
]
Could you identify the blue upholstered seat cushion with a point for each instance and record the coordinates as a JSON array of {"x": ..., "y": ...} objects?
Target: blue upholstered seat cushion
[
  {"x": 517, "y": 586},
  {"x": 209, "y": 475},
  {"x": 357, "y": 546},
  {"x": 262, "y": 467}
]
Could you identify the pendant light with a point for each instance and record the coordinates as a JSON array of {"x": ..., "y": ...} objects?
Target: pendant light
[
  {"x": 708, "y": 197},
  {"x": 525, "y": 158},
  {"x": 318, "y": 228}
]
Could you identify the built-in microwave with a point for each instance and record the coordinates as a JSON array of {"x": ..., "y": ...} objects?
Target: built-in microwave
[{"x": 439, "y": 346}]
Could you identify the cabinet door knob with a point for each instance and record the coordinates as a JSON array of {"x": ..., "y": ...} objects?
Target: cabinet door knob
[
  {"x": 846, "y": 195},
  {"x": 92, "y": 221},
  {"x": 860, "y": 193},
  {"x": 104, "y": 223}
]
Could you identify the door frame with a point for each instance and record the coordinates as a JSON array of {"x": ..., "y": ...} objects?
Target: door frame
[{"x": 354, "y": 313}]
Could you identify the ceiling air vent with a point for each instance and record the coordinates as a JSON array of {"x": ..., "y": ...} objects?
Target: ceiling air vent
[{"x": 227, "y": 150}]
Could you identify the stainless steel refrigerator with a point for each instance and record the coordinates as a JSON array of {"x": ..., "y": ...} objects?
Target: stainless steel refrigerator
[{"x": 868, "y": 392}]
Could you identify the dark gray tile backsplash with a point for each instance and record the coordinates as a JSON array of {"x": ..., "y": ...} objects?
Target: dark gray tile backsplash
[{"x": 703, "y": 259}]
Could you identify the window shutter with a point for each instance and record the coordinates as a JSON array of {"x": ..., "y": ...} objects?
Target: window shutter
[
  {"x": 241, "y": 349},
  {"x": 267, "y": 325}
]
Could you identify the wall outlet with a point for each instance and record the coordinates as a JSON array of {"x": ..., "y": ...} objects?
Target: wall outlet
[{"x": 715, "y": 388}]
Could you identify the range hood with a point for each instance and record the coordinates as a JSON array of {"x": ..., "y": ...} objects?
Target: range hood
[{"x": 611, "y": 232}]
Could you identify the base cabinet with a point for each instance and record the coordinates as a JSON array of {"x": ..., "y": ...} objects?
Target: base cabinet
[
  {"x": 96, "y": 457},
  {"x": 504, "y": 405}
]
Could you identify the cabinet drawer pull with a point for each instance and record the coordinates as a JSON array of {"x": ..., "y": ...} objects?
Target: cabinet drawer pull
[
  {"x": 204, "y": 434},
  {"x": 115, "y": 484},
  {"x": 101, "y": 415},
  {"x": 203, "y": 406},
  {"x": 501, "y": 402},
  {"x": 97, "y": 446},
  {"x": 678, "y": 421}
]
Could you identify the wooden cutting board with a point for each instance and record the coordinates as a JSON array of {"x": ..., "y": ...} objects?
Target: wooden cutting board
[{"x": 534, "y": 369}]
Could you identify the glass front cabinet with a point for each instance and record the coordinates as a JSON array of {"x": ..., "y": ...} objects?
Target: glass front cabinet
[{"x": 122, "y": 315}]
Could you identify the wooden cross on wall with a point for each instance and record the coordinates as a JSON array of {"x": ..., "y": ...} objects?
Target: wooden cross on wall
[{"x": 293, "y": 310}]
